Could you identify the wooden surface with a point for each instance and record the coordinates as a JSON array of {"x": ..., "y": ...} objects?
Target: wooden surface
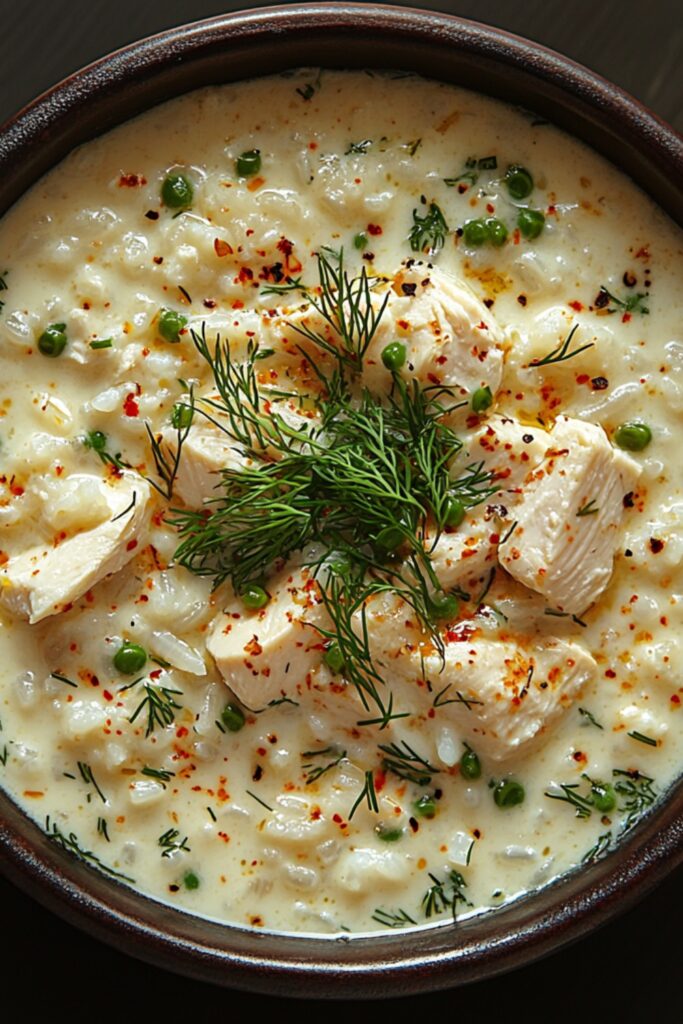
[{"x": 628, "y": 971}]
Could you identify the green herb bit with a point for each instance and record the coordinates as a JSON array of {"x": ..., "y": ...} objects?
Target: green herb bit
[
  {"x": 63, "y": 679},
  {"x": 392, "y": 918},
  {"x": 634, "y": 303},
  {"x": 71, "y": 844},
  {"x": 468, "y": 702},
  {"x": 530, "y": 223},
  {"x": 589, "y": 509},
  {"x": 601, "y": 848},
  {"x": 308, "y": 91},
  {"x": 412, "y": 147},
  {"x": 359, "y": 148},
  {"x": 470, "y": 173},
  {"x": 569, "y": 795},
  {"x": 405, "y": 762},
  {"x": 90, "y": 780},
  {"x": 333, "y": 657},
  {"x": 388, "y": 834},
  {"x": 159, "y": 706},
  {"x": 52, "y": 341},
  {"x": 248, "y": 163},
  {"x": 642, "y": 738},
  {"x": 177, "y": 191},
  {"x": 181, "y": 415},
  {"x": 99, "y": 343},
  {"x": 96, "y": 440},
  {"x": 258, "y": 800},
  {"x": 633, "y": 436},
  {"x": 313, "y": 772},
  {"x": 103, "y": 829},
  {"x": 191, "y": 880},
  {"x": 508, "y": 793},
  {"x": 4, "y": 755},
  {"x": 162, "y": 775},
  {"x": 482, "y": 399},
  {"x": 519, "y": 182},
  {"x": 366, "y": 794},
  {"x": 637, "y": 793},
  {"x": 130, "y": 658},
  {"x": 292, "y": 284},
  {"x": 428, "y": 233},
  {"x": 445, "y": 895},
  {"x": 3, "y": 287},
  {"x": 563, "y": 351},
  {"x": 171, "y": 323},
  {"x": 170, "y": 845},
  {"x": 589, "y": 717},
  {"x": 167, "y": 462},
  {"x": 360, "y": 240},
  {"x": 232, "y": 717}
]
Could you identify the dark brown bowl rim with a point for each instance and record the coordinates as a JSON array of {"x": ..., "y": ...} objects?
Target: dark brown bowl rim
[{"x": 446, "y": 48}]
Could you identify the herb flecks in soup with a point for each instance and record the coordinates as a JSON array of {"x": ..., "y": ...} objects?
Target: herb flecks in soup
[{"x": 340, "y": 514}]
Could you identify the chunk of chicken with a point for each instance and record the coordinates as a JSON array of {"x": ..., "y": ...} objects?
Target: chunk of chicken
[
  {"x": 46, "y": 579},
  {"x": 507, "y": 449},
  {"x": 205, "y": 452},
  {"x": 451, "y": 338},
  {"x": 267, "y": 654},
  {"x": 568, "y": 518},
  {"x": 505, "y": 698}
]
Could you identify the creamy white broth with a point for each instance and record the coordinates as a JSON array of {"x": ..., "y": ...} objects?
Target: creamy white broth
[{"x": 247, "y": 838}]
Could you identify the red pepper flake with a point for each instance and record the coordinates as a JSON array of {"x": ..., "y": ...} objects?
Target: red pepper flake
[
  {"x": 132, "y": 181},
  {"x": 643, "y": 253},
  {"x": 675, "y": 699},
  {"x": 599, "y": 383},
  {"x": 582, "y": 378},
  {"x": 16, "y": 490},
  {"x": 221, "y": 247},
  {"x": 152, "y": 215},
  {"x": 522, "y": 300},
  {"x": 181, "y": 732},
  {"x": 107, "y": 695},
  {"x": 490, "y": 208},
  {"x": 237, "y": 304},
  {"x": 131, "y": 545},
  {"x": 610, "y": 673},
  {"x": 285, "y": 246},
  {"x": 460, "y": 633},
  {"x": 575, "y": 304},
  {"x": 656, "y": 545},
  {"x": 374, "y": 229},
  {"x": 626, "y": 317},
  {"x": 130, "y": 405},
  {"x": 578, "y": 755}
]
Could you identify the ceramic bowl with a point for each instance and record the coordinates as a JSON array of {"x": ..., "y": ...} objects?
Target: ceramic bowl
[{"x": 463, "y": 53}]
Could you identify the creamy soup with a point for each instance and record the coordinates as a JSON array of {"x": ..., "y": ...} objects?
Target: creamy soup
[{"x": 340, "y": 503}]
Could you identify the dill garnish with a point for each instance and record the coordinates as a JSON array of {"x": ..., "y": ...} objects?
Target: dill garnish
[
  {"x": 162, "y": 775},
  {"x": 169, "y": 842},
  {"x": 445, "y": 895},
  {"x": 392, "y": 918},
  {"x": 407, "y": 763},
  {"x": 563, "y": 351},
  {"x": 428, "y": 233},
  {"x": 167, "y": 461},
  {"x": 158, "y": 704},
  {"x": 313, "y": 772},
  {"x": 90, "y": 780},
  {"x": 590, "y": 718},
  {"x": 71, "y": 844},
  {"x": 368, "y": 794},
  {"x": 634, "y": 303},
  {"x": 589, "y": 509}
]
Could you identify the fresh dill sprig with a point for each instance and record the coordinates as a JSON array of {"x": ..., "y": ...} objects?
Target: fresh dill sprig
[
  {"x": 590, "y": 717},
  {"x": 589, "y": 509},
  {"x": 458, "y": 699},
  {"x": 563, "y": 351},
  {"x": 169, "y": 842},
  {"x": 162, "y": 775},
  {"x": 63, "y": 679},
  {"x": 583, "y": 804},
  {"x": 90, "y": 780},
  {"x": 405, "y": 762},
  {"x": 368, "y": 794},
  {"x": 633, "y": 303},
  {"x": 358, "y": 147},
  {"x": 71, "y": 844},
  {"x": 392, "y": 918},
  {"x": 167, "y": 459},
  {"x": 637, "y": 792},
  {"x": 599, "y": 850},
  {"x": 313, "y": 772},
  {"x": 291, "y": 284},
  {"x": 428, "y": 233},
  {"x": 470, "y": 173},
  {"x": 159, "y": 706},
  {"x": 103, "y": 829},
  {"x": 642, "y": 738},
  {"x": 445, "y": 895}
]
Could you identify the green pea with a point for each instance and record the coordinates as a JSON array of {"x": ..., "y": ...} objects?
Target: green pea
[
  {"x": 177, "y": 191},
  {"x": 130, "y": 658},
  {"x": 425, "y": 806},
  {"x": 254, "y": 597},
  {"x": 470, "y": 765},
  {"x": 390, "y": 538},
  {"x": 191, "y": 880},
  {"x": 394, "y": 355},
  {"x": 604, "y": 797},
  {"x": 333, "y": 657},
  {"x": 482, "y": 399},
  {"x": 171, "y": 324},
  {"x": 248, "y": 163},
  {"x": 360, "y": 240},
  {"x": 96, "y": 440},
  {"x": 388, "y": 834},
  {"x": 508, "y": 793},
  {"x": 232, "y": 717},
  {"x": 519, "y": 182},
  {"x": 455, "y": 512},
  {"x": 52, "y": 341},
  {"x": 475, "y": 232},
  {"x": 181, "y": 415},
  {"x": 530, "y": 223},
  {"x": 444, "y": 606},
  {"x": 498, "y": 233},
  {"x": 633, "y": 436}
]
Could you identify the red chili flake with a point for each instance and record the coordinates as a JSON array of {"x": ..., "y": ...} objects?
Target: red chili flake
[
  {"x": 460, "y": 633},
  {"x": 629, "y": 279},
  {"x": 582, "y": 378},
  {"x": 158, "y": 260},
  {"x": 221, "y": 247},
  {"x": 374, "y": 229},
  {"x": 261, "y": 751},
  {"x": 245, "y": 274},
  {"x": 107, "y": 695},
  {"x": 599, "y": 383},
  {"x": 675, "y": 699},
  {"x": 643, "y": 253},
  {"x": 380, "y": 781},
  {"x": 610, "y": 673},
  {"x": 131, "y": 545},
  {"x": 601, "y": 300},
  {"x": 628, "y": 501},
  {"x": 337, "y": 818},
  {"x": 462, "y": 188},
  {"x": 656, "y": 545},
  {"x": 237, "y": 304},
  {"x": 285, "y": 246},
  {"x": 155, "y": 673},
  {"x": 152, "y": 215},
  {"x": 16, "y": 490},
  {"x": 521, "y": 299},
  {"x": 490, "y": 208},
  {"x": 578, "y": 755},
  {"x": 181, "y": 732},
  {"x": 130, "y": 405},
  {"x": 575, "y": 304},
  {"x": 132, "y": 181},
  {"x": 626, "y": 317}
]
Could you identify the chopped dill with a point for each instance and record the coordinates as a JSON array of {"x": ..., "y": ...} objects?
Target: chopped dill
[
  {"x": 392, "y": 918},
  {"x": 368, "y": 794},
  {"x": 71, "y": 844},
  {"x": 563, "y": 352},
  {"x": 428, "y": 233}
]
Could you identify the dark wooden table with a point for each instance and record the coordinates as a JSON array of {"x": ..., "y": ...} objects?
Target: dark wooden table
[{"x": 629, "y": 970}]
